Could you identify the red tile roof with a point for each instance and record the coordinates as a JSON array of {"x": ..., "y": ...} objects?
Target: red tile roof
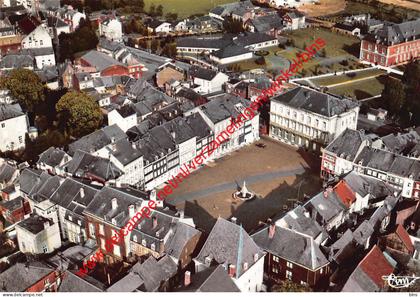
[
  {"x": 345, "y": 193},
  {"x": 405, "y": 238},
  {"x": 375, "y": 265}
]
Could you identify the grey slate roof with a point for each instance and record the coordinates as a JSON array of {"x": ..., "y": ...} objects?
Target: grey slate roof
[
  {"x": 35, "y": 224},
  {"x": 397, "y": 33},
  {"x": 267, "y": 22},
  {"x": 19, "y": 277},
  {"x": 297, "y": 220},
  {"x": 85, "y": 165},
  {"x": 101, "y": 205},
  {"x": 316, "y": 102},
  {"x": 212, "y": 279},
  {"x": 100, "y": 60},
  {"x": 230, "y": 51},
  {"x": 222, "y": 245},
  {"x": 203, "y": 73},
  {"x": 223, "y": 107},
  {"x": 124, "y": 152},
  {"x": 73, "y": 283},
  {"x": 326, "y": 208},
  {"x": 12, "y": 61},
  {"x": 6, "y": 172},
  {"x": 347, "y": 144},
  {"x": 248, "y": 39},
  {"x": 292, "y": 246},
  {"x": 8, "y": 111},
  {"x": 98, "y": 139},
  {"x": 70, "y": 196},
  {"x": 52, "y": 157},
  {"x": 146, "y": 277},
  {"x": 182, "y": 235}
]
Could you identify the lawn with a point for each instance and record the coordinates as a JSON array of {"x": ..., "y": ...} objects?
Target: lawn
[
  {"x": 335, "y": 79},
  {"x": 360, "y": 90},
  {"x": 185, "y": 8},
  {"x": 337, "y": 44}
]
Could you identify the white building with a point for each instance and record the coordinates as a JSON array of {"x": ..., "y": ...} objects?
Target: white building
[
  {"x": 13, "y": 127},
  {"x": 231, "y": 54},
  {"x": 311, "y": 119},
  {"x": 111, "y": 28},
  {"x": 206, "y": 80},
  {"x": 125, "y": 117},
  {"x": 291, "y": 3},
  {"x": 38, "y": 38},
  {"x": 38, "y": 235}
]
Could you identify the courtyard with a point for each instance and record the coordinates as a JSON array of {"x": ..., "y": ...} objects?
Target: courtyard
[{"x": 278, "y": 174}]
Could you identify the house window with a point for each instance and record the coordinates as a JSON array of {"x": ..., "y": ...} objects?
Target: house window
[
  {"x": 289, "y": 265},
  {"x": 117, "y": 250},
  {"x": 20, "y": 139},
  {"x": 102, "y": 243},
  {"x": 303, "y": 283},
  {"x": 276, "y": 259},
  {"x": 152, "y": 246},
  {"x": 3, "y": 125},
  {"x": 289, "y": 275},
  {"x": 92, "y": 230},
  {"x": 143, "y": 242},
  {"x": 275, "y": 270},
  {"x": 101, "y": 229},
  {"x": 45, "y": 249}
]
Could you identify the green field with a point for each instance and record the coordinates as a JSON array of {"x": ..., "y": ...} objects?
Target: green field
[
  {"x": 185, "y": 8},
  {"x": 360, "y": 90},
  {"x": 335, "y": 79}
]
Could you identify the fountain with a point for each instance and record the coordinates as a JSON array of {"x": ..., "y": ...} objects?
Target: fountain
[{"x": 244, "y": 194}]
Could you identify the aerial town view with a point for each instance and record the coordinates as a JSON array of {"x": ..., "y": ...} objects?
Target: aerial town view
[{"x": 247, "y": 146}]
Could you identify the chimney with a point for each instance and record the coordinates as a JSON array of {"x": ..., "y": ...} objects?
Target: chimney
[
  {"x": 82, "y": 192},
  {"x": 46, "y": 224},
  {"x": 187, "y": 278},
  {"x": 153, "y": 195},
  {"x": 181, "y": 214},
  {"x": 232, "y": 270},
  {"x": 255, "y": 257},
  {"x": 131, "y": 210},
  {"x": 133, "y": 145},
  {"x": 306, "y": 213},
  {"x": 173, "y": 134},
  {"x": 245, "y": 266},
  {"x": 114, "y": 203},
  {"x": 271, "y": 231},
  {"x": 233, "y": 220},
  {"x": 154, "y": 222}
]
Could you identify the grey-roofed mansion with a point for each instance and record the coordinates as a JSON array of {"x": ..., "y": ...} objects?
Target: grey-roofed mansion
[{"x": 310, "y": 119}]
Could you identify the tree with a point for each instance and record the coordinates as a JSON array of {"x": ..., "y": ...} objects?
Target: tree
[
  {"x": 152, "y": 10},
  {"x": 230, "y": 25},
  {"x": 171, "y": 16},
  {"x": 79, "y": 113},
  {"x": 25, "y": 86},
  {"x": 169, "y": 50},
  {"x": 154, "y": 45},
  {"x": 159, "y": 10},
  {"x": 288, "y": 286},
  {"x": 393, "y": 95}
]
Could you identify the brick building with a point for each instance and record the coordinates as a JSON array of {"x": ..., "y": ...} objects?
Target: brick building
[{"x": 393, "y": 44}]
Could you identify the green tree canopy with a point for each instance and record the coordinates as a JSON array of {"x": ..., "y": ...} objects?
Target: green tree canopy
[
  {"x": 25, "y": 86},
  {"x": 79, "y": 113},
  {"x": 393, "y": 95},
  {"x": 288, "y": 286}
]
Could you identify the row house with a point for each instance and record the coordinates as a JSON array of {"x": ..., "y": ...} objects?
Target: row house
[
  {"x": 52, "y": 159},
  {"x": 392, "y": 44},
  {"x": 310, "y": 119},
  {"x": 70, "y": 199},
  {"x": 14, "y": 211},
  {"x": 8, "y": 172},
  {"x": 301, "y": 262},
  {"x": 352, "y": 150},
  {"x": 243, "y": 261}
]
